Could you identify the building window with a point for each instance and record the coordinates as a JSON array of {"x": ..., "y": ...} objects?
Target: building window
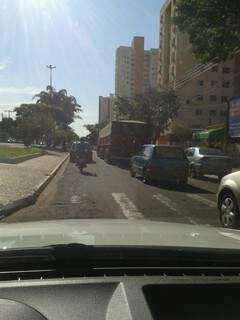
[
  {"x": 199, "y": 97},
  {"x": 213, "y": 83},
  {"x": 223, "y": 113},
  {"x": 199, "y": 112},
  {"x": 173, "y": 57},
  {"x": 226, "y": 84},
  {"x": 212, "y": 112},
  {"x": 213, "y": 98},
  {"x": 200, "y": 82},
  {"x": 226, "y": 70},
  {"x": 224, "y": 98},
  {"x": 215, "y": 69},
  {"x": 187, "y": 101}
]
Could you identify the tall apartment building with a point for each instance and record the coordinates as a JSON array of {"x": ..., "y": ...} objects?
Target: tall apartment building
[
  {"x": 203, "y": 89},
  {"x": 136, "y": 69},
  {"x": 106, "y": 109}
]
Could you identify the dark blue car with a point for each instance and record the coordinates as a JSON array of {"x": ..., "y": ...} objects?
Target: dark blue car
[{"x": 160, "y": 163}]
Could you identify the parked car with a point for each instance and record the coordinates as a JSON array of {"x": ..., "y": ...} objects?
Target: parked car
[
  {"x": 211, "y": 161},
  {"x": 89, "y": 155},
  {"x": 161, "y": 163},
  {"x": 228, "y": 199}
]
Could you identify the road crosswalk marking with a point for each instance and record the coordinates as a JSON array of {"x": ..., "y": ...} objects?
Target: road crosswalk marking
[
  {"x": 166, "y": 201},
  {"x": 206, "y": 201},
  {"x": 77, "y": 198},
  {"x": 172, "y": 205},
  {"x": 128, "y": 208}
]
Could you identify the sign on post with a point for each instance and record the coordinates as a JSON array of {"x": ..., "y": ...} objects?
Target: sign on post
[{"x": 234, "y": 118}]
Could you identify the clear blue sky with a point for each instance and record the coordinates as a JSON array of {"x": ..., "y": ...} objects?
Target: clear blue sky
[{"x": 80, "y": 37}]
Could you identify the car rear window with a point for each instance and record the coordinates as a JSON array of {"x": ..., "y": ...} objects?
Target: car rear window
[
  {"x": 211, "y": 152},
  {"x": 169, "y": 153}
]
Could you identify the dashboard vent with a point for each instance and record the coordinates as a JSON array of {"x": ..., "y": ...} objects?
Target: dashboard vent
[{"x": 119, "y": 272}]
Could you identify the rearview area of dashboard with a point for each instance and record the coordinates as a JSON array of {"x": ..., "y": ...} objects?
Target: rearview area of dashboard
[{"x": 123, "y": 298}]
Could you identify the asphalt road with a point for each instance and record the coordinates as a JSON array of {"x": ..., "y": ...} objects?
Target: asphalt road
[{"x": 108, "y": 191}]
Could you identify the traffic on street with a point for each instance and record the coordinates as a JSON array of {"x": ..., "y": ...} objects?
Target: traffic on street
[
  {"x": 120, "y": 159},
  {"x": 107, "y": 191}
]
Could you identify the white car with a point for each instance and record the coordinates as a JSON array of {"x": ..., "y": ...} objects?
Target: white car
[{"x": 228, "y": 198}]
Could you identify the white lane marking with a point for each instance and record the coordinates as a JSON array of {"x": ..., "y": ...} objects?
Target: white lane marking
[
  {"x": 166, "y": 201},
  {"x": 172, "y": 205},
  {"x": 208, "y": 202},
  {"x": 75, "y": 199},
  {"x": 127, "y": 206}
]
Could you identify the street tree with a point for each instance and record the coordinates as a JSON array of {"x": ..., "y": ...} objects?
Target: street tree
[
  {"x": 35, "y": 122},
  {"x": 93, "y": 133},
  {"x": 65, "y": 107},
  {"x": 64, "y": 137},
  {"x": 213, "y": 27},
  {"x": 156, "y": 108},
  {"x": 8, "y": 127}
]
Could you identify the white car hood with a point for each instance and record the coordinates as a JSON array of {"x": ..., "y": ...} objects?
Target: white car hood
[{"x": 115, "y": 232}]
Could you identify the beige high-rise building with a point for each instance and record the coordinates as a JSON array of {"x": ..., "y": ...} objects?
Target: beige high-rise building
[
  {"x": 203, "y": 88},
  {"x": 136, "y": 69},
  {"x": 106, "y": 109}
]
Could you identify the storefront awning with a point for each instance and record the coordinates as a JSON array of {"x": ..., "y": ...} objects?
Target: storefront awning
[{"x": 212, "y": 134}]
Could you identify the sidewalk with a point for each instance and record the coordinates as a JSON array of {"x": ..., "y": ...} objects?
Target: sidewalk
[{"x": 22, "y": 181}]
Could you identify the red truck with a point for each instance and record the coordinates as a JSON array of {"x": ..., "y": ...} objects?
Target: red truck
[{"x": 122, "y": 139}]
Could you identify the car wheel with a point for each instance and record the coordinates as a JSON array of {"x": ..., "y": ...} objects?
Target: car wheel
[
  {"x": 229, "y": 211},
  {"x": 145, "y": 177}
]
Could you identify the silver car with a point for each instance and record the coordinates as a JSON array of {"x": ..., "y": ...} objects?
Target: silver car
[
  {"x": 211, "y": 161},
  {"x": 228, "y": 198}
]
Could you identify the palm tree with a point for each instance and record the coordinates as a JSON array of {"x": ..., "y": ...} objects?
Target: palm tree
[{"x": 64, "y": 107}]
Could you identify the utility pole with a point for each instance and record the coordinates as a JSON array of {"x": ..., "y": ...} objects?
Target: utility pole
[{"x": 51, "y": 67}]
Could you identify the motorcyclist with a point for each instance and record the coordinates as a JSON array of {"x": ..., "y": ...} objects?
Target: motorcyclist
[{"x": 81, "y": 153}]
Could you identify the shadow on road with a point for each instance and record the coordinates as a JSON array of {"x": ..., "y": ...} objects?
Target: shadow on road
[
  {"x": 92, "y": 162},
  {"x": 188, "y": 188},
  {"x": 89, "y": 174},
  {"x": 123, "y": 164}
]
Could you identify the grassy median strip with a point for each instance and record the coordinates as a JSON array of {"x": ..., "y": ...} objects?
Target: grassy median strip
[{"x": 9, "y": 152}]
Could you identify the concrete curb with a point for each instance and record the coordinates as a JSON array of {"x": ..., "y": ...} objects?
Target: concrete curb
[{"x": 30, "y": 198}]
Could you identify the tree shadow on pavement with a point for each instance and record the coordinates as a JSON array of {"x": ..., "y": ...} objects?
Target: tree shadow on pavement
[
  {"x": 122, "y": 164},
  {"x": 89, "y": 174},
  {"x": 188, "y": 188}
]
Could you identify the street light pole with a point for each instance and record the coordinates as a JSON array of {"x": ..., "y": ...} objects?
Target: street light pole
[{"x": 51, "y": 67}]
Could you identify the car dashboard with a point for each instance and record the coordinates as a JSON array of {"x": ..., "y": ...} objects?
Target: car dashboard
[{"x": 121, "y": 297}]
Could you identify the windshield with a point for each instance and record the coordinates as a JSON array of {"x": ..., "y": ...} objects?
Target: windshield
[
  {"x": 120, "y": 122},
  {"x": 169, "y": 153},
  {"x": 211, "y": 152}
]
